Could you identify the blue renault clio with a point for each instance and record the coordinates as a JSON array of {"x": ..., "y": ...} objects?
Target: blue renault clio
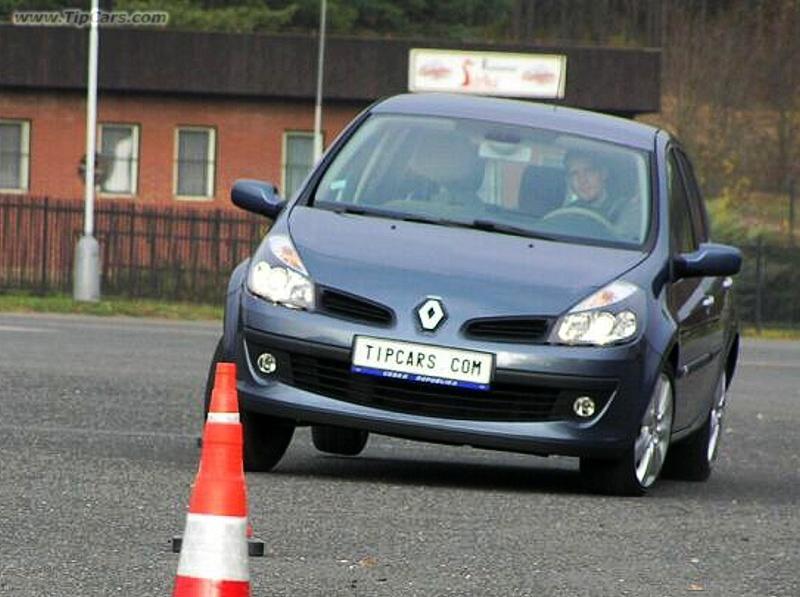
[{"x": 490, "y": 273}]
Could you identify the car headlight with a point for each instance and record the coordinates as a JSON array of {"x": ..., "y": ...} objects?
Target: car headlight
[
  {"x": 605, "y": 317},
  {"x": 279, "y": 275}
]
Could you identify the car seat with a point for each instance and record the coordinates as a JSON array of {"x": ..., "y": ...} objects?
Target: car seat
[
  {"x": 541, "y": 190},
  {"x": 445, "y": 164}
]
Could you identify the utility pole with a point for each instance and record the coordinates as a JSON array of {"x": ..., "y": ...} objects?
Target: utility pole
[
  {"x": 320, "y": 70},
  {"x": 86, "y": 281}
]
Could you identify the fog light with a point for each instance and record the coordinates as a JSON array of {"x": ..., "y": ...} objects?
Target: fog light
[
  {"x": 584, "y": 407},
  {"x": 266, "y": 363}
]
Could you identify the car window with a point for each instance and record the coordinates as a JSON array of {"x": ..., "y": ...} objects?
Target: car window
[
  {"x": 696, "y": 205},
  {"x": 681, "y": 231},
  {"x": 465, "y": 171}
]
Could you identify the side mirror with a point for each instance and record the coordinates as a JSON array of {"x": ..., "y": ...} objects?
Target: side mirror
[
  {"x": 709, "y": 260},
  {"x": 257, "y": 197}
]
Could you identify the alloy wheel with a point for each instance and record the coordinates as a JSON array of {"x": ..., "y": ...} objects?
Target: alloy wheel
[
  {"x": 650, "y": 449},
  {"x": 716, "y": 417}
]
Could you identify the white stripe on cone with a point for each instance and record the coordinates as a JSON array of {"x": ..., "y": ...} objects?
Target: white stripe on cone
[
  {"x": 214, "y": 548},
  {"x": 222, "y": 417}
]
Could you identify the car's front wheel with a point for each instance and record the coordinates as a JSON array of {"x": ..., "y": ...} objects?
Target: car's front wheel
[
  {"x": 637, "y": 470},
  {"x": 265, "y": 438},
  {"x": 692, "y": 458},
  {"x": 339, "y": 440}
]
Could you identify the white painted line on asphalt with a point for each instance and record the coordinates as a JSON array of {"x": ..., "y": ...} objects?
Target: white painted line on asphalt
[
  {"x": 23, "y": 330},
  {"x": 146, "y": 329},
  {"x": 110, "y": 327},
  {"x": 770, "y": 365},
  {"x": 71, "y": 321},
  {"x": 103, "y": 432}
]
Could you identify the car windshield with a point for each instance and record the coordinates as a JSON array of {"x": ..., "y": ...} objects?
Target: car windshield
[{"x": 510, "y": 179}]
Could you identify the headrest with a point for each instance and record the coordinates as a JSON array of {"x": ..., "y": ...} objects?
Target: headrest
[
  {"x": 446, "y": 159},
  {"x": 541, "y": 190}
]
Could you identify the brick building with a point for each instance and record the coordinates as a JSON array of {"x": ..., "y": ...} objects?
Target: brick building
[{"x": 181, "y": 115}]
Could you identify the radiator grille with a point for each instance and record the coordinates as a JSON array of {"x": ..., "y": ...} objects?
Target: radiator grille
[
  {"x": 530, "y": 330},
  {"x": 354, "y": 308},
  {"x": 508, "y": 399}
]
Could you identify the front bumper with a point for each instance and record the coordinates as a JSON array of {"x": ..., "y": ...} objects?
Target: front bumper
[{"x": 313, "y": 385}]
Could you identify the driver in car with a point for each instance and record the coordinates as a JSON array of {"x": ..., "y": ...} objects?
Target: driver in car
[{"x": 587, "y": 188}]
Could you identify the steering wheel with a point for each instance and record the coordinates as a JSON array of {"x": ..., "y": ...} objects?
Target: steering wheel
[{"x": 581, "y": 212}]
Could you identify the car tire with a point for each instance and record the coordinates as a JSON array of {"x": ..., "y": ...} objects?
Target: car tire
[
  {"x": 339, "y": 440},
  {"x": 635, "y": 472},
  {"x": 692, "y": 459},
  {"x": 265, "y": 438},
  {"x": 218, "y": 356}
]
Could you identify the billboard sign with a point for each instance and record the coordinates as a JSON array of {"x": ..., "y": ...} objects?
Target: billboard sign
[{"x": 500, "y": 74}]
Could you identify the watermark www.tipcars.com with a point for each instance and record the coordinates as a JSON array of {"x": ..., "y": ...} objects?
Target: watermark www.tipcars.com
[{"x": 74, "y": 17}]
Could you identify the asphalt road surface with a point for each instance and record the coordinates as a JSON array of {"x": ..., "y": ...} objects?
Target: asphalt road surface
[{"x": 98, "y": 427}]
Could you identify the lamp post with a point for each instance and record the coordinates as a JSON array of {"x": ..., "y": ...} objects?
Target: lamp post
[
  {"x": 320, "y": 70},
  {"x": 86, "y": 275}
]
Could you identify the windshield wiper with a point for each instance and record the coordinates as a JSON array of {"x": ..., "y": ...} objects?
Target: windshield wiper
[
  {"x": 491, "y": 226},
  {"x": 341, "y": 208},
  {"x": 486, "y": 225},
  {"x": 479, "y": 224},
  {"x": 427, "y": 220}
]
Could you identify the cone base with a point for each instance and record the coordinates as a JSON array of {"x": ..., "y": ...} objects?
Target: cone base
[{"x": 255, "y": 547}]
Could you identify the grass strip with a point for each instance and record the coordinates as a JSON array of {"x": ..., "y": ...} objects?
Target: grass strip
[
  {"x": 771, "y": 333},
  {"x": 109, "y": 306}
]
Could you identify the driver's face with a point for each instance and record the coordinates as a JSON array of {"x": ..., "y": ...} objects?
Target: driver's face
[{"x": 586, "y": 180}]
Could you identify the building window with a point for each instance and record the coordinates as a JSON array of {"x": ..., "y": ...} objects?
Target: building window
[
  {"x": 298, "y": 158},
  {"x": 14, "y": 154},
  {"x": 119, "y": 146},
  {"x": 194, "y": 165}
]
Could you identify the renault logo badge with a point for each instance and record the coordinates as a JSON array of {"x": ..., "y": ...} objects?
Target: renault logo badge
[{"x": 431, "y": 314}]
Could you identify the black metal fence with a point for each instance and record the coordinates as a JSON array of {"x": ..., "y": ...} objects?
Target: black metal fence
[
  {"x": 188, "y": 254},
  {"x": 768, "y": 287},
  {"x": 167, "y": 253}
]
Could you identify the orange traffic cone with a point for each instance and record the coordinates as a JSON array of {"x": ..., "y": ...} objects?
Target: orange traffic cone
[{"x": 213, "y": 560}]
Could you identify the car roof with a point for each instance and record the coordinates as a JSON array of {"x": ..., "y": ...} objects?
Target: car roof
[{"x": 523, "y": 113}]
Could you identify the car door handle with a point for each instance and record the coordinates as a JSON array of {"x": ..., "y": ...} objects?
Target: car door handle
[{"x": 708, "y": 302}]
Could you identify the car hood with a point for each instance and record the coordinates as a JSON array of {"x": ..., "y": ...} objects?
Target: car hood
[{"x": 475, "y": 273}]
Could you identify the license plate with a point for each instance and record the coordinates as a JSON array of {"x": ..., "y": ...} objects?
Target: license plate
[{"x": 422, "y": 363}]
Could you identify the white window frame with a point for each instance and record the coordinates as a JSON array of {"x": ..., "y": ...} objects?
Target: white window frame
[
  {"x": 284, "y": 156},
  {"x": 25, "y": 155},
  {"x": 135, "y": 173},
  {"x": 211, "y": 159}
]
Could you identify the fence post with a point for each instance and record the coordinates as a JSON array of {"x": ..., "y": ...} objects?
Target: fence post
[
  {"x": 150, "y": 218},
  {"x": 193, "y": 239},
  {"x": 43, "y": 280},
  {"x": 21, "y": 251},
  {"x": 791, "y": 211},
  {"x": 759, "y": 282},
  {"x": 132, "y": 257},
  {"x": 216, "y": 238}
]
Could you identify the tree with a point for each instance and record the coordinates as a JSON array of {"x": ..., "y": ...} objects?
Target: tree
[{"x": 783, "y": 86}]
